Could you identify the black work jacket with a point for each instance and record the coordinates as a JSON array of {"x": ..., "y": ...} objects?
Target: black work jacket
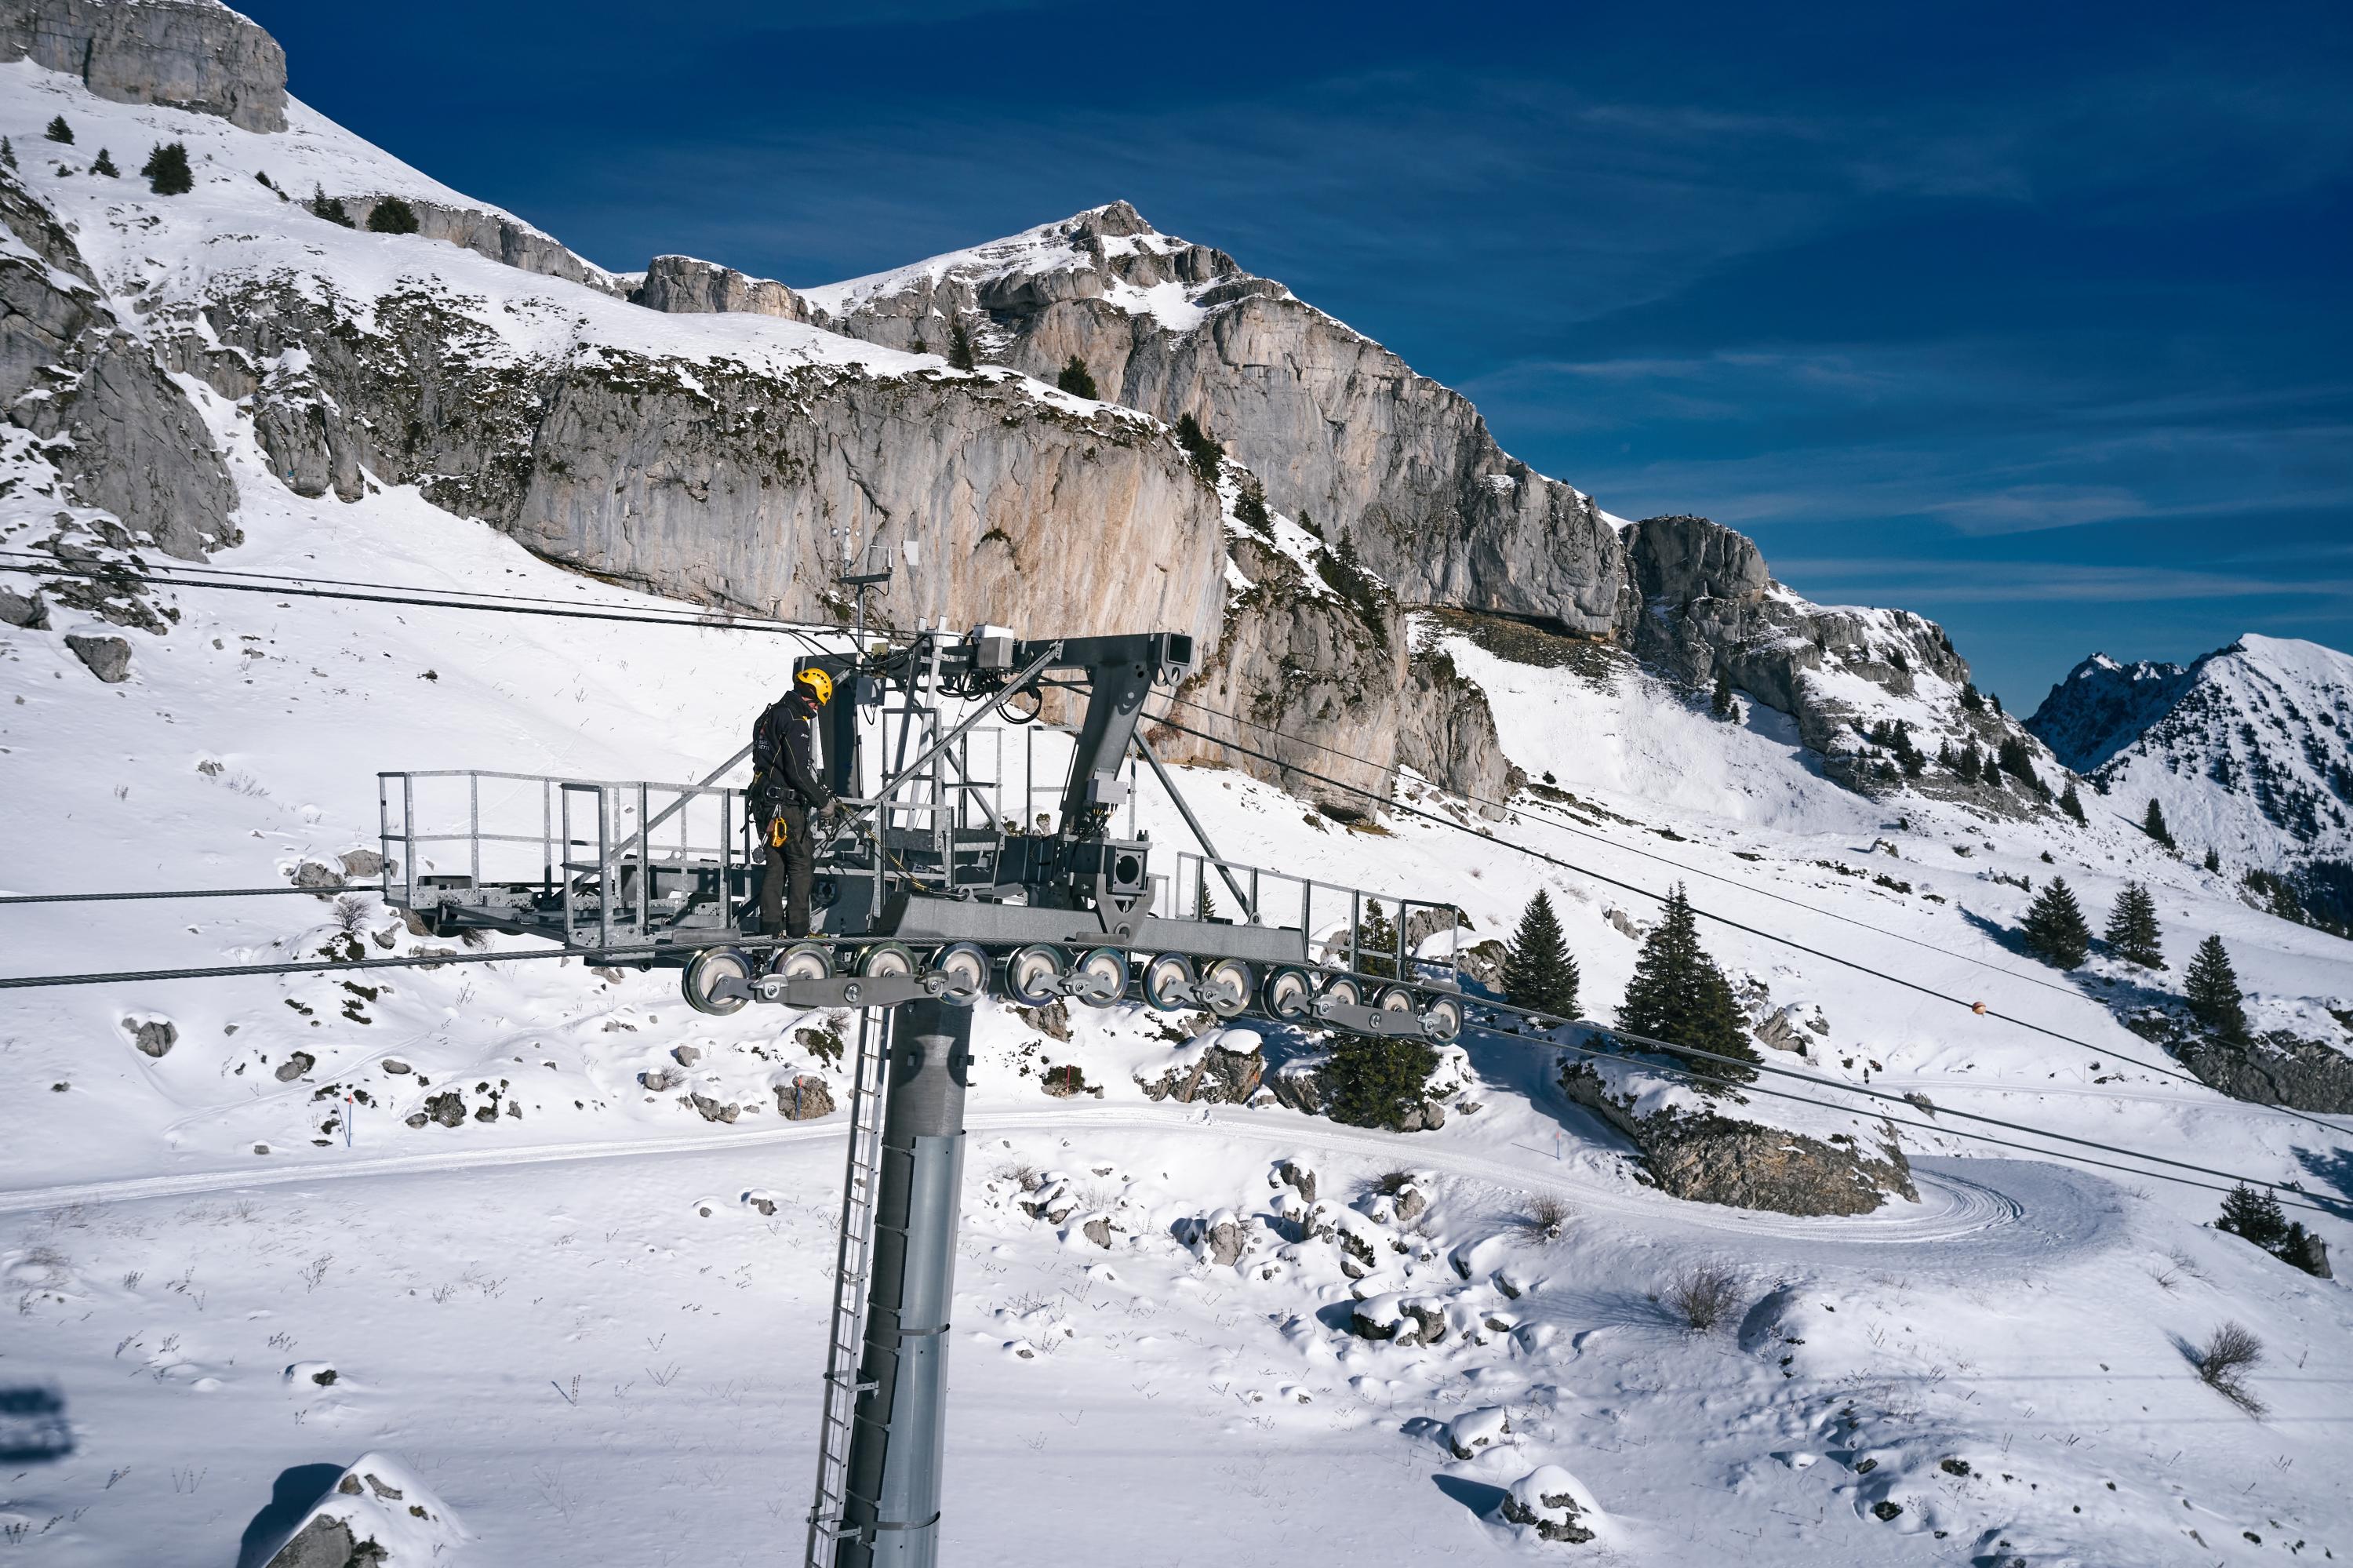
[{"x": 781, "y": 772}]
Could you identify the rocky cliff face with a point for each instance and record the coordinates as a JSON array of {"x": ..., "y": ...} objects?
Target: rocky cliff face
[
  {"x": 2102, "y": 706},
  {"x": 684, "y": 284},
  {"x": 720, "y": 478},
  {"x": 120, "y": 435},
  {"x": 1341, "y": 432},
  {"x": 187, "y": 54},
  {"x": 500, "y": 237}
]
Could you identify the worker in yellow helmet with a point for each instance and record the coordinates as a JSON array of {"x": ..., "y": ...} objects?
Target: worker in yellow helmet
[{"x": 785, "y": 793}]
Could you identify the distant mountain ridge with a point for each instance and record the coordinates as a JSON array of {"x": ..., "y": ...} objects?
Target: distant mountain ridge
[{"x": 2248, "y": 749}]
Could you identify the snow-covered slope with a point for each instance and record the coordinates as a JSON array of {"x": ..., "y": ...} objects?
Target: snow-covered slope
[
  {"x": 2249, "y": 750},
  {"x": 589, "y": 1321}
]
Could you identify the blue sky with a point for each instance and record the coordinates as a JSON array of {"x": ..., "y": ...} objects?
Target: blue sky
[{"x": 2035, "y": 319}]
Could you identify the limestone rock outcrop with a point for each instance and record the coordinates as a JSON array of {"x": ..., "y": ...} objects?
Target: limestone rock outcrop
[
  {"x": 187, "y": 54},
  {"x": 683, "y": 283},
  {"x": 1339, "y": 429}
]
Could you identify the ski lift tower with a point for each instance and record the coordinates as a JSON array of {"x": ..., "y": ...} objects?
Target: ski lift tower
[{"x": 933, "y": 890}]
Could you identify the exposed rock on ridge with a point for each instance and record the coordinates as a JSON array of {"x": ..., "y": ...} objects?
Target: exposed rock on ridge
[
  {"x": 122, "y": 436},
  {"x": 683, "y": 283},
  {"x": 1338, "y": 426},
  {"x": 185, "y": 54}
]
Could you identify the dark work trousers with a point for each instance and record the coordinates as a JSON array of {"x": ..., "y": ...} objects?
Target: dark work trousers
[{"x": 790, "y": 870}]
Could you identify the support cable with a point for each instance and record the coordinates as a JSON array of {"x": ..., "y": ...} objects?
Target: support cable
[{"x": 1978, "y": 1008}]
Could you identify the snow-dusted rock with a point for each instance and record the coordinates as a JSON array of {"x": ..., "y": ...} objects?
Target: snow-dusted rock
[
  {"x": 1722, "y": 1151},
  {"x": 1469, "y": 1435},
  {"x": 1554, "y": 1504},
  {"x": 378, "y": 1514},
  {"x": 153, "y": 1037},
  {"x": 804, "y": 1097},
  {"x": 1224, "y": 1068},
  {"x": 108, "y": 658},
  {"x": 188, "y": 54}
]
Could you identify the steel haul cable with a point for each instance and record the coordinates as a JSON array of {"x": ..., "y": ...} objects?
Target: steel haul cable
[{"x": 1859, "y": 968}]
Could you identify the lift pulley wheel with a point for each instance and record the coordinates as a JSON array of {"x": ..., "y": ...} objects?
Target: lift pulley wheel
[
  {"x": 1226, "y": 987},
  {"x": 705, "y": 973},
  {"x": 1033, "y": 975},
  {"x": 887, "y": 960},
  {"x": 1342, "y": 989},
  {"x": 1442, "y": 1019},
  {"x": 964, "y": 967},
  {"x": 1101, "y": 978},
  {"x": 1397, "y": 999},
  {"x": 1289, "y": 994},
  {"x": 1168, "y": 982},
  {"x": 803, "y": 961}
]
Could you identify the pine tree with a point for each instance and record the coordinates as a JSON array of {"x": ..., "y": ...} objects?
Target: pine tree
[
  {"x": 1205, "y": 450},
  {"x": 2213, "y": 859},
  {"x": 1205, "y": 907},
  {"x": 1678, "y": 995},
  {"x": 1076, "y": 380},
  {"x": 168, "y": 170},
  {"x": 1539, "y": 974},
  {"x": 1721, "y": 704},
  {"x": 2211, "y": 989},
  {"x": 1993, "y": 701},
  {"x": 2055, "y": 928},
  {"x": 2071, "y": 803},
  {"x": 60, "y": 131},
  {"x": 1972, "y": 767},
  {"x": 392, "y": 216},
  {"x": 1376, "y": 942},
  {"x": 1375, "y": 1082},
  {"x": 2019, "y": 763},
  {"x": 105, "y": 165},
  {"x": 2153, "y": 825},
  {"x": 959, "y": 346},
  {"x": 7, "y": 154},
  {"x": 1970, "y": 699},
  {"x": 2255, "y": 1215},
  {"x": 2132, "y": 930},
  {"x": 1908, "y": 756},
  {"x": 1249, "y": 509},
  {"x": 329, "y": 208}
]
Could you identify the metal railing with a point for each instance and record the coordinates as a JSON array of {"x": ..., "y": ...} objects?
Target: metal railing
[{"x": 1346, "y": 927}]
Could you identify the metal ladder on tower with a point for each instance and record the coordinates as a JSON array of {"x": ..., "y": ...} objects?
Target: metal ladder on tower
[{"x": 854, "y": 1262}]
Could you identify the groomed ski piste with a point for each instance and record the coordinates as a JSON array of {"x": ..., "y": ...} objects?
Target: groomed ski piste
[{"x": 589, "y": 1326}]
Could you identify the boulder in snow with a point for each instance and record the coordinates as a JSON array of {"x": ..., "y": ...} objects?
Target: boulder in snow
[
  {"x": 361, "y": 863},
  {"x": 153, "y": 1037},
  {"x": 32, "y": 614},
  {"x": 1297, "y": 1174},
  {"x": 109, "y": 658},
  {"x": 1470, "y": 1435},
  {"x": 378, "y": 1514},
  {"x": 1552, "y": 1503},
  {"x": 294, "y": 1066},
  {"x": 661, "y": 1079},
  {"x": 804, "y": 1097}
]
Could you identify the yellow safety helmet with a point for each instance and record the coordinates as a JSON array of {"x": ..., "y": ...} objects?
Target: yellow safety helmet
[{"x": 820, "y": 683}]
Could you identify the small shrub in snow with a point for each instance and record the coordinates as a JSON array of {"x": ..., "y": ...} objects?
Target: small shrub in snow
[
  {"x": 350, "y": 914},
  {"x": 60, "y": 131},
  {"x": 321, "y": 205},
  {"x": 2231, "y": 1352},
  {"x": 2255, "y": 1216},
  {"x": 1546, "y": 1215},
  {"x": 1375, "y": 1082},
  {"x": 105, "y": 165},
  {"x": 1703, "y": 1295}
]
